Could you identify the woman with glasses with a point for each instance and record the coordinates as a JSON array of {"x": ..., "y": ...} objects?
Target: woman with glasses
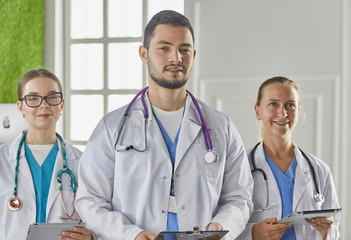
[
  {"x": 38, "y": 170},
  {"x": 286, "y": 179}
]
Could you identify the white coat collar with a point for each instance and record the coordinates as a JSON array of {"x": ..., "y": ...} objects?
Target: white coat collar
[
  {"x": 14, "y": 145},
  {"x": 302, "y": 175},
  {"x": 24, "y": 167},
  {"x": 191, "y": 126},
  {"x": 70, "y": 154},
  {"x": 190, "y": 110},
  {"x": 260, "y": 161}
]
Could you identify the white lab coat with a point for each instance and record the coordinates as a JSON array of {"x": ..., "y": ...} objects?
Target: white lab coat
[
  {"x": 14, "y": 224},
  {"x": 303, "y": 194},
  {"x": 124, "y": 193}
]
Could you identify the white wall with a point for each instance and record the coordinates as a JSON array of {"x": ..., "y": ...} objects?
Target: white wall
[{"x": 241, "y": 43}]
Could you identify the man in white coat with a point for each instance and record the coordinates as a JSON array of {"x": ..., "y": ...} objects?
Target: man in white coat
[{"x": 160, "y": 180}]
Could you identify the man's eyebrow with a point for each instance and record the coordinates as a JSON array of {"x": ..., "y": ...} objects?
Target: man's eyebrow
[
  {"x": 169, "y": 43},
  {"x": 164, "y": 42}
]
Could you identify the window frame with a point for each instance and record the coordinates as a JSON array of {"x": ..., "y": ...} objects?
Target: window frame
[{"x": 105, "y": 41}]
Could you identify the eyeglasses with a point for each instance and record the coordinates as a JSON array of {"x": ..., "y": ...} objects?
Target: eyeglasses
[{"x": 53, "y": 99}]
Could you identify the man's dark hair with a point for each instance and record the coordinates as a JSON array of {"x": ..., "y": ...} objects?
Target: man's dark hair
[{"x": 168, "y": 17}]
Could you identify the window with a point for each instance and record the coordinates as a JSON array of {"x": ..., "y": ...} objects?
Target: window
[{"x": 102, "y": 68}]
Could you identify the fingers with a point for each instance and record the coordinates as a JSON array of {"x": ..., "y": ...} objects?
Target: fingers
[
  {"x": 321, "y": 224},
  {"x": 79, "y": 233},
  {"x": 268, "y": 229},
  {"x": 279, "y": 227},
  {"x": 270, "y": 220},
  {"x": 213, "y": 237},
  {"x": 214, "y": 227},
  {"x": 82, "y": 230},
  {"x": 324, "y": 220},
  {"x": 145, "y": 236}
]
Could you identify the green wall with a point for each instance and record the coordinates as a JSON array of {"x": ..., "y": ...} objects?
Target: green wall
[{"x": 21, "y": 43}]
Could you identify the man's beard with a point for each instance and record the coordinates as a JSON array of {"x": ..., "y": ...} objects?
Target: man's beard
[
  {"x": 169, "y": 84},
  {"x": 176, "y": 84}
]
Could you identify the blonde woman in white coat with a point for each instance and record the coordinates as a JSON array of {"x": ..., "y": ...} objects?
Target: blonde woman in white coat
[
  {"x": 29, "y": 165},
  {"x": 290, "y": 184}
]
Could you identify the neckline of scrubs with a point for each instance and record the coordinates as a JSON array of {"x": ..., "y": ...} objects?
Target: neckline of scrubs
[
  {"x": 41, "y": 179},
  {"x": 286, "y": 182},
  {"x": 172, "y": 218}
]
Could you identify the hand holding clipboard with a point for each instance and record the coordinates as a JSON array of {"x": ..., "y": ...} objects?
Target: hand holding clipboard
[{"x": 299, "y": 218}]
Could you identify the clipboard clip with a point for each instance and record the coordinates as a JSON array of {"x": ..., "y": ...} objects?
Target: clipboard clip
[{"x": 196, "y": 231}]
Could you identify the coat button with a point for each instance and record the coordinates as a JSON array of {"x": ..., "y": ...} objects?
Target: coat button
[
  {"x": 183, "y": 207},
  {"x": 163, "y": 211},
  {"x": 177, "y": 175},
  {"x": 164, "y": 177}
]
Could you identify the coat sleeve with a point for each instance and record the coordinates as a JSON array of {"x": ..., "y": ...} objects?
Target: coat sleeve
[
  {"x": 331, "y": 201},
  {"x": 94, "y": 202},
  {"x": 247, "y": 233},
  {"x": 235, "y": 202}
]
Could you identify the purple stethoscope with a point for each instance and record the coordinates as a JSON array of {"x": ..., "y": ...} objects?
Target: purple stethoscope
[{"x": 210, "y": 157}]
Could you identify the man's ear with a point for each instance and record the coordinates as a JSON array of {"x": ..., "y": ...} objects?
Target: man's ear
[{"x": 143, "y": 54}]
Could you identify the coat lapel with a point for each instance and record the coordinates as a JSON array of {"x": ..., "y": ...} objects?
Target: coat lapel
[
  {"x": 302, "y": 177},
  {"x": 54, "y": 191},
  {"x": 273, "y": 189},
  {"x": 190, "y": 129},
  {"x": 154, "y": 132}
]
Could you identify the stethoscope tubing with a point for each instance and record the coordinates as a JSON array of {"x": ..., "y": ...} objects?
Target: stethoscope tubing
[
  {"x": 15, "y": 203},
  {"x": 207, "y": 136},
  {"x": 255, "y": 169}
]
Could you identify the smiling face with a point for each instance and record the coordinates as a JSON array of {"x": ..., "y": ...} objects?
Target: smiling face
[
  {"x": 278, "y": 109},
  {"x": 170, "y": 56},
  {"x": 45, "y": 116}
]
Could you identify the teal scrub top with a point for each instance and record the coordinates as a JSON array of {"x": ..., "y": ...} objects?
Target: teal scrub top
[
  {"x": 41, "y": 179},
  {"x": 286, "y": 187}
]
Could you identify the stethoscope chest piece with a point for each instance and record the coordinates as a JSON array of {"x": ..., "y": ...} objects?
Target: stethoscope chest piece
[
  {"x": 15, "y": 203},
  {"x": 211, "y": 157},
  {"x": 318, "y": 198}
]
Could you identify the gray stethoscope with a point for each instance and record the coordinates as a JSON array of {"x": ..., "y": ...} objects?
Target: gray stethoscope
[
  {"x": 210, "y": 157},
  {"x": 318, "y": 196}
]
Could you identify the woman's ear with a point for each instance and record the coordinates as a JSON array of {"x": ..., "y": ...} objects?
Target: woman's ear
[
  {"x": 20, "y": 107},
  {"x": 257, "y": 111},
  {"x": 62, "y": 104}
]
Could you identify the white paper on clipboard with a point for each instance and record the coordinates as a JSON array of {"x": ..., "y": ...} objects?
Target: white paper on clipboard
[
  {"x": 50, "y": 231},
  {"x": 299, "y": 218}
]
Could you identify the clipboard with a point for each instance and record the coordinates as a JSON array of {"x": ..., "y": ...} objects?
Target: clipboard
[
  {"x": 50, "y": 231},
  {"x": 299, "y": 218},
  {"x": 190, "y": 235}
]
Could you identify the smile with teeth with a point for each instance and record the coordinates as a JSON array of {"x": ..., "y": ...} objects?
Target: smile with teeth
[{"x": 281, "y": 123}]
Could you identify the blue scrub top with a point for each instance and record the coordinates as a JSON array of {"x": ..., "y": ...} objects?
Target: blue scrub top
[
  {"x": 286, "y": 183},
  {"x": 172, "y": 219},
  {"x": 41, "y": 179}
]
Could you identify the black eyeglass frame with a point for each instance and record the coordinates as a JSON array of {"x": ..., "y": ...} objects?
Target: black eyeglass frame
[{"x": 42, "y": 98}]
